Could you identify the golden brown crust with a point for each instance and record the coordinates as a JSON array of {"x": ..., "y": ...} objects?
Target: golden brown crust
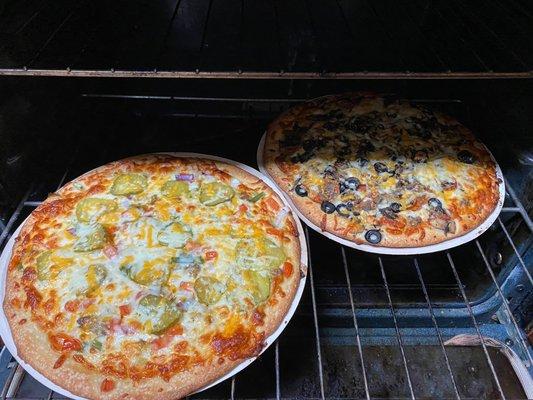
[
  {"x": 32, "y": 341},
  {"x": 480, "y": 200}
]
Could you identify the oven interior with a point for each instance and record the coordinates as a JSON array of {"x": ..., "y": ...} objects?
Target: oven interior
[{"x": 451, "y": 324}]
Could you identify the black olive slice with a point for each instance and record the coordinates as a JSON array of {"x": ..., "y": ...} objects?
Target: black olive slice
[
  {"x": 466, "y": 157},
  {"x": 435, "y": 203},
  {"x": 327, "y": 207},
  {"x": 343, "y": 210},
  {"x": 395, "y": 207},
  {"x": 300, "y": 190},
  {"x": 380, "y": 167},
  {"x": 373, "y": 236}
]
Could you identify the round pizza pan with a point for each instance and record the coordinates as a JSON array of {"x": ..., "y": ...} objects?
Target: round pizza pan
[
  {"x": 5, "y": 331},
  {"x": 432, "y": 248}
]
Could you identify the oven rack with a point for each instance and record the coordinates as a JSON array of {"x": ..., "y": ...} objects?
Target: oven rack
[
  {"x": 361, "y": 334},
  {"x": 268, "y": 39}
]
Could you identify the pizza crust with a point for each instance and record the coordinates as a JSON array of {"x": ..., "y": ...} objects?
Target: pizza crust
[
  {"x": 33, "y": 344},
  {"x": 340, "y": 227}
]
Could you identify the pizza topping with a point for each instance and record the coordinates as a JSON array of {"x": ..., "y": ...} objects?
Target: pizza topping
[
  {"x": 343, "y": 209},
  {"x": 380, "y": 167},
  {"x": 215, "y": 193},
  {"x": 91, "y": 237},
  {"x": 350, "y": 183},
  {"x": 175, "y": 235},
  {"x": 373, "y": 236},
  {"x": 126, "y": 184},
  {"x": 157, "y": 313},
  {"x": 466, "y": 157},
  {"x": 209, "y": 290},
  {"x": 435, "y": 203},
  {"x": 300, "y": 190},
  {"x": 107, "y": 385},
  {"x": 256, "y": 197},
  {"x": 89, "y": 209},
  {"x": 174, "y": 189},
  {"x": 327, "y": 207}
]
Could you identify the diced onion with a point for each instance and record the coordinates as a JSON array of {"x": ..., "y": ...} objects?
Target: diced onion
[
  {"x": 185, "y": 177},
  {"x": 280, "y": 217}
]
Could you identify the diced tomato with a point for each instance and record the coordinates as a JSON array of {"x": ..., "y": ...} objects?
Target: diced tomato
[
  {"x": 287, "y": 269},
  {"x": 125, "y": 309},
  {"x": 62, "y": 342},
  {"x": 86, "y": 303},
  {"x": 186, "y": 286},
  {"x": 59, "y": 362},
  {"x": 243, "y": 208},
  {"x": 110, "y": 251},
  {"x": 29, "y": 275},
  {"x": 161, "y": 342},
  {"x": 211, "y": 255},
  {"x": 191, "y": 245},
  {"x": 72, "y": 305},
  {"x": 107, "y": 385},
  {"x": 272, "y": 203},
  {"x": 164, "y": 340}
]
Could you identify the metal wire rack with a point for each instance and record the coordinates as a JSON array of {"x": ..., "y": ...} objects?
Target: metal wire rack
[
  {"x": 301, "y": 39},
  {"x": 359, "y": 332}
]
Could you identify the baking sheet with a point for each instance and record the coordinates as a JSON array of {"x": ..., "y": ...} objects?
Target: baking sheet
[
  {"x": 5, "y": 331},
  {"x": 432, "y": 248}
]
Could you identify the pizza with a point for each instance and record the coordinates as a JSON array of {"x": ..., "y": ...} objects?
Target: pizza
[
  {"x": 150, "y": 277},
  {"x": 381, "y": 171}
]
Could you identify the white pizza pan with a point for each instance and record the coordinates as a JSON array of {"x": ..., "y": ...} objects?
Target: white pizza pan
[
  {"x": 432, "y": 248},
  {"x": 5, "y": 331}
]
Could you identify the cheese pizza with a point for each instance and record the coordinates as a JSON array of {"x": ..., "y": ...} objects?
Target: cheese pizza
[
  {"x": 151, "y": 277},
  {"x": 381, "y": 171}
]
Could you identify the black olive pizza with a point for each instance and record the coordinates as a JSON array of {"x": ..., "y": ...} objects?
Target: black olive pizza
[
  {"x": 151, "y": 277},
  {"x": 381, "y": 171}
]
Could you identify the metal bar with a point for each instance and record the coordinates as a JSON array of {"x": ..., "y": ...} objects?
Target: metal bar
[
  {"x": 14, "y": 383},
  {"x": 262, "y": 75},
  {"x": 32, "y": 203},
  {"x": 191, "y": 98},
  {"x": 505, "y": 302},
  {"x": 520, "y": 259},
  {"x": 355, "y": 324},
  {"x": 278, "y": 386},
  {"x": 476, "y": 326},
  {"x": 315, "y": 316},
  {"x": 7, "y": 384},
  {"x": 396, "y": 328},
  {"x": 232, "y": 391},
  {"x": 14, "y": 216},
  {"x": 437, "y": 330},
  {"x": 509, "y": 189},
  {"x": 510, "y": 209}
]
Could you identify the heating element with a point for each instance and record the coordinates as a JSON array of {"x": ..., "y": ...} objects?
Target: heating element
[
  {"x": 299, "y": 39},
  {"x": 368, "y": 327}
]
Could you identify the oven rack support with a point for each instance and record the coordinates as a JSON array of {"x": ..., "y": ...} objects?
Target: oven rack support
[
  {"x": 515, "y": 340},
  {"x": 267, "y": 39}
]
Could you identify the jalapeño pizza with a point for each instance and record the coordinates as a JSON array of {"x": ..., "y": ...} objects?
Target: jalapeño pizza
[{"x": 150, "y": 277}]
